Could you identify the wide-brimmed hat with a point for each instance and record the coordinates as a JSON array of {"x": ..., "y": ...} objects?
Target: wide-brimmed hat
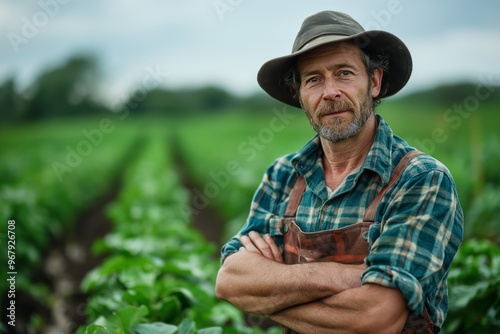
[{"x": 328, "y": 27}]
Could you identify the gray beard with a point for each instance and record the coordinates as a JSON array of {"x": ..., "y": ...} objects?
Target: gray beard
[{"x": 333, "y": 132}]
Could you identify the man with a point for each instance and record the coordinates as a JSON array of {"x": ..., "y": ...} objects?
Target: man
[{"x": 356, "y": 232}]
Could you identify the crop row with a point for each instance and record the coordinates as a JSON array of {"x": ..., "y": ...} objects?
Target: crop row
[
  {"x": 158, "y": 276},
  {"x": 44, "y": 195}
]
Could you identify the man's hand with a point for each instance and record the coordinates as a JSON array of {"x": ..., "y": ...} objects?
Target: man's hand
[{"x": 265, "y": 246}]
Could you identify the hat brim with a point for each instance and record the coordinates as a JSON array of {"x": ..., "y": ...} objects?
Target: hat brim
[{"x": 271, "y": 76}]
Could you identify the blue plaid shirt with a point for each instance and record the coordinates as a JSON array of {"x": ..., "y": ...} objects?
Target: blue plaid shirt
[{"x": 418, "y": 224}]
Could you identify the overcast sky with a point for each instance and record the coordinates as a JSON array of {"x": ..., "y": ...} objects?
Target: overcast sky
[{"x": 224, "y": 42}]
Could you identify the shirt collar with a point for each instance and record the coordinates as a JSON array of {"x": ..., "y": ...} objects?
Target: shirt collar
[
  {"x": 308, "y": 156},
  {"x": 378, "y": 160}
]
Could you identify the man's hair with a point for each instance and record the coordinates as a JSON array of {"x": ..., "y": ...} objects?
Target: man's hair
[{"x": 370, "y": 60}]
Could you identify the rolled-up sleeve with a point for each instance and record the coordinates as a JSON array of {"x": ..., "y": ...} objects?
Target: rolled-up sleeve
[{"x": 417, "y": 232}]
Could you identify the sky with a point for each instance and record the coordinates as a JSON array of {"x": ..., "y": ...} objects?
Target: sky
[{"x": 180, "y": 43}]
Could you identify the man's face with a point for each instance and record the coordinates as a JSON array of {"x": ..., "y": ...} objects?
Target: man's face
[{"x": 335, "y": 90}]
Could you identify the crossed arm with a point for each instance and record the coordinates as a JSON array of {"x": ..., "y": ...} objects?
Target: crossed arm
[{"x": 308, "y": 298}]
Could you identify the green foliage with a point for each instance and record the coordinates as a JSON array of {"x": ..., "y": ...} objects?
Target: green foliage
[
  {"x": 474, "y": 281},
  {"x": 43, "y": 203},
  {"x": 482, "y": 218},
  {"x": 159, "y": 273},
  {"x": 120, "y": 322}
]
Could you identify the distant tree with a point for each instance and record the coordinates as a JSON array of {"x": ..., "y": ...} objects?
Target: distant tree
[
  {"x": 214, "y": 99},
  {"x": 65, "y": 90},
  {"x": 183, "y": 101},
  {"x": 10, "y": 101}
]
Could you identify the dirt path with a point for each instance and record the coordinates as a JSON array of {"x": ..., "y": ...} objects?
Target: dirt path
[
  {"x": 69, "y": 262},
  {"x": 204, "y": 218},
  {"x": 210, "y": 223}
]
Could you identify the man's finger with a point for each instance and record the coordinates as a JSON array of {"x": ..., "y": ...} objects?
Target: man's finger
[
  {"x": 261, "y": 245},
  {"x": 248, "y": 244},
  {"x": 274, "y": 248}
]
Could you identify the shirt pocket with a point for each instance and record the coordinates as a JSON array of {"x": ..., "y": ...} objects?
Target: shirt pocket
[{"x": 278, "y": 228}]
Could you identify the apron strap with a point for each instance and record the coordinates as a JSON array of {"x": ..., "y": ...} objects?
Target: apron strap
[
  {"x": 295, "y": 197},
  {"x": 396, "y": 173}
]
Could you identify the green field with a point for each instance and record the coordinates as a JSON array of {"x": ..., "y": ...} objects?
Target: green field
[{"x": 52, "y": 172}]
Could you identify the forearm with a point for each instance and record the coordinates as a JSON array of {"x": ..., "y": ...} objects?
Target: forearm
[
  {"x": 256, "y": 284},
  {"x": 313, "y": 317},
  {"x": 368, "y": 309}
]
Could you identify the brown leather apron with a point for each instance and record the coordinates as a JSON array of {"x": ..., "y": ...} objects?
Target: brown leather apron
[{"x": 345, "y": 245}]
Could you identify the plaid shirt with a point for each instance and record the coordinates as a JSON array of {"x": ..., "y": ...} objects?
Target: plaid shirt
[{"x": 418, "y": 224}]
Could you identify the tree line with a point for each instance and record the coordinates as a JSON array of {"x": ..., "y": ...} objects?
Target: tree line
[{"x": 71, "y": 89}]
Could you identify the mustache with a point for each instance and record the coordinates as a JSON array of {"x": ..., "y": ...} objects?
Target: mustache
[{"x": 331, "y": 107}]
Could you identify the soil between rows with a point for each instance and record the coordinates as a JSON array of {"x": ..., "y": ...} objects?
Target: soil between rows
[
  {"x": 204, "y": 218},
  {"x": 211, "y": 224}
]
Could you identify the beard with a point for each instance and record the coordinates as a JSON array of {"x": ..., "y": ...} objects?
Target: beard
[{"x": 338, "y": 129}]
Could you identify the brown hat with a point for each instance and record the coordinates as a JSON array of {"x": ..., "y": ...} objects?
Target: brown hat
[{"x": 327, "y": 27}]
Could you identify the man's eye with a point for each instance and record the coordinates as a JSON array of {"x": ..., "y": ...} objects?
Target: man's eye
[
  {"x": 312, "y": 80},
  {"x": 345, "y": 73}
]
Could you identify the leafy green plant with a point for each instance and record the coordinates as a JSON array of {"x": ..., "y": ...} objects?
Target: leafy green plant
[
  {"x": 474, "y": 285},
  {"x": 482, "y": 218}
]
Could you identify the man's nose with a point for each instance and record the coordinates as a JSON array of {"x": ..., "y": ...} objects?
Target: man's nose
[{"x": 331, "y": 91}]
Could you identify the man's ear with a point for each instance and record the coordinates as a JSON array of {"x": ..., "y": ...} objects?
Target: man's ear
[{"x": 378, "y": 73}]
